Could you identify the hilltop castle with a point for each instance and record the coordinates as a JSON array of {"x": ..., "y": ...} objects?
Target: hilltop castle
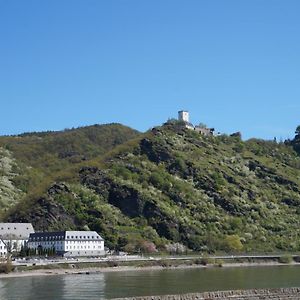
[{"x": 184, "y": 116}]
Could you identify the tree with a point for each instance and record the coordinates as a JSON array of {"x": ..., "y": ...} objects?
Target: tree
[
  {"x": 147, "y": 247},
  {"x": 297, "y": 132},
  {"x": 296, "y": 141},
  {"x": 233, "y": 243},
  {"x": 202, "y": 125}
]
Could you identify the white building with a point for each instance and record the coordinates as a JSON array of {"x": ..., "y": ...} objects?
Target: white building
[
  {"x": 3, "y": 249},
  {"x": 68, "y": 243},
  {"x": 15, "y": 235},
  {"x": 183, "y": 115}
]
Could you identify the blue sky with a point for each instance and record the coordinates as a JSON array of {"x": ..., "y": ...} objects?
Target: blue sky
[{"x": 235, "y": 65}]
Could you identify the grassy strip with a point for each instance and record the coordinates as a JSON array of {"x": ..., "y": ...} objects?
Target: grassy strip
[{"x": 166, "y": 263}]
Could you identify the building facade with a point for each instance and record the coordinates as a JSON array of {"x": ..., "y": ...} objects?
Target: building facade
[
  {"x": 205, "y": 131},
  {"x": 15, "y": 235},
  {"x": 184, "y": 116},
  {"x": 3, "y": 249},
  {"x": 68, "y": 243}
]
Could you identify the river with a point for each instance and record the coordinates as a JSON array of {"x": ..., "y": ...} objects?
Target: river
[{"x": 151, "y": 282}]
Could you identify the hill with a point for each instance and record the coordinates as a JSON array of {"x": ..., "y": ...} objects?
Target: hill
[
  {"x": 30, "y": 159},
  {"x": 173, "y": 186}
]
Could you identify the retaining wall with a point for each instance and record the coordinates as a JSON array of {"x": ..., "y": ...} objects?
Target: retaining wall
[{"x": 255, "y": 294}]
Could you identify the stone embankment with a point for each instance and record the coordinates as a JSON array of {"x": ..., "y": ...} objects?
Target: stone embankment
[{"x": 255, "y": 294}]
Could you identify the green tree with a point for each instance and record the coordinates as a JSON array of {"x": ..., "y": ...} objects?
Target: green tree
[
  {"x": 297, "y": 132},
  {"x": 233, "y": 243}
]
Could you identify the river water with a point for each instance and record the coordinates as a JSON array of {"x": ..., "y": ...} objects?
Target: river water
[{"x": 141, "y": 283}]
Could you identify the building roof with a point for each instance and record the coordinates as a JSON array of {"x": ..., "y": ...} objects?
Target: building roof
[
  {"x": 66, "y": 235},
  {"x": 91, "y": 234},
  {"x": 16, "y": 231}
]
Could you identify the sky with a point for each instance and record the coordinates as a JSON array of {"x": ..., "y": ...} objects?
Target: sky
[{"x": 234, "y": 65}]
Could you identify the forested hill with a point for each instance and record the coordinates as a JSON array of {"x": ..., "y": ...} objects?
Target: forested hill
[
  {"x": 31, "y": 159},
  {"x": 173, "y": 186}
]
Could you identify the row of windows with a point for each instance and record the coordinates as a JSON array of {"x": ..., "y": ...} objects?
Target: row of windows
[
  {"x": 10, "y": 235},
  {"x": 48, "y": 243},
  {"x": 53, "y": 238},
  {"x": 81, "y": 247},
  {"x": 47, "y": 238},
  {"x": 2, "y": 228},
  {"x": 74, "y": 242},
  {"x": 84, "y": 237},
  {"x": 53, "y": 243},
  {"x": 3, "y": 253},
  {"x": 2, "y": 247}
]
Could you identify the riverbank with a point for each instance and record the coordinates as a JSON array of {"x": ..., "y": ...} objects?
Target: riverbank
[
  {"x": 70, "y": 269},
  {"x": 253, "y": 294}
]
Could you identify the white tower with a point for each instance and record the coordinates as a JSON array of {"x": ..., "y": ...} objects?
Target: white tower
[{"x": 183, "y": 115}]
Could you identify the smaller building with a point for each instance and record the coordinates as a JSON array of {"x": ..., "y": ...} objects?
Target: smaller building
[
  {"x": 68, "y": 243},
  {"x": 204, "y": 130},
  {"x": 3, "y": 249},
  {"x": 15, "y": 235}
]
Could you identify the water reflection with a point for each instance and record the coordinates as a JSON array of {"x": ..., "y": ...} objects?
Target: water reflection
[
  {"x": 77, "y": 287},
  {"x": 141, "y": 283},
  {"x": 68, "y": 287}
]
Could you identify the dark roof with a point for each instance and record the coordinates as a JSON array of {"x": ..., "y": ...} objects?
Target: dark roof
[{"x": 67, "y": 235}]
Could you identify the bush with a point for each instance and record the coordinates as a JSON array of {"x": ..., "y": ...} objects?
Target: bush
[
  {"x": 286, "y": 259},
  {"x": 6, "y": 267},
  {"x": 203, "y": 261}
]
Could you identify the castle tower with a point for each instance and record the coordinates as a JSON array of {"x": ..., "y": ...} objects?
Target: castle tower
[{"x": 183, "y": 115}]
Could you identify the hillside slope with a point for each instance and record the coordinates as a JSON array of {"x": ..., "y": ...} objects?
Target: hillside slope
[
  {"x": 28, "y": 159},
  {"x": 173, "y": 185}
]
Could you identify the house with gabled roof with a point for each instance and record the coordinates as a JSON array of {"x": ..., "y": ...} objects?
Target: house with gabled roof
[{"x": 15, "y": 235}]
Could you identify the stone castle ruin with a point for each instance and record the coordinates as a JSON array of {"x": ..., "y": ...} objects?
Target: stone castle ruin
[{"x": 183, "y": 116}]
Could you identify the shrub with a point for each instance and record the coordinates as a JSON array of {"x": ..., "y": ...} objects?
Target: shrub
[
  {"x": 6, "y": 267},
  {"x": 285, "y": 259},
  {"x": 203, "y": 261},
  {"x": 233, "y": 243}
]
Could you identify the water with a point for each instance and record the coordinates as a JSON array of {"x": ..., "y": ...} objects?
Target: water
[{"x": 140, "y": 283}]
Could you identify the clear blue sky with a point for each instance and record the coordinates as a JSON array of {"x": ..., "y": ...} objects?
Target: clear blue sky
[{"x": 235, "y": 65}]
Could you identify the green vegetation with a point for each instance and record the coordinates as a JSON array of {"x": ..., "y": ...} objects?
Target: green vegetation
[
  {"x": 6, "y": 266},
  {"x": 286, "y": 259},
  {"x": 170, "y": 186},
  {"x": 33, "y": 159}
]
